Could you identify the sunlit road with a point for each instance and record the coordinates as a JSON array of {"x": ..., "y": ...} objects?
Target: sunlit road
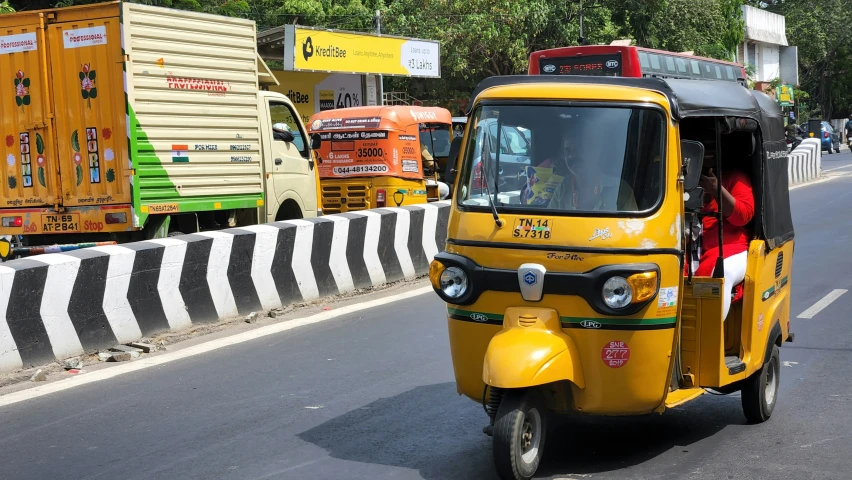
[{"x": 371, "y": 396}]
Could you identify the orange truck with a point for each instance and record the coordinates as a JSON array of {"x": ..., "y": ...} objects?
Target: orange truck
[{"x": 130, "y": 122}]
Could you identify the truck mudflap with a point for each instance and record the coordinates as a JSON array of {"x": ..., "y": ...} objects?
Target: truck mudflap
[{"x": 47, "y": 221}]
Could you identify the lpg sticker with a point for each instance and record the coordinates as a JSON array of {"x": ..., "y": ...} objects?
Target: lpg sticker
[
  {"x": 615, "y": 354},
  {"x": 85, "y": 37},
  {"x": 705, "y": 290},
  {"x": 667, "y": 302}
]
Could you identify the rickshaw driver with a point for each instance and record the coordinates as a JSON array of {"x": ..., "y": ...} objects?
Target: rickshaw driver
[
  {"x": 737, "y": 210},
  {"x": 588, "y": 187}
]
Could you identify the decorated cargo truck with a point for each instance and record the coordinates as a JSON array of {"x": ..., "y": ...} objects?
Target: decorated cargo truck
[{"x": 129, "y": 122}]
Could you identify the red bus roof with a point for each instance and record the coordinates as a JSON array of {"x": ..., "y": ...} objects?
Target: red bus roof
[{"x": 604, "y": 49}]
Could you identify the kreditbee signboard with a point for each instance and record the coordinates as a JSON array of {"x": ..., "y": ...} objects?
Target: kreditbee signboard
[{"x": 314, "y": 50}]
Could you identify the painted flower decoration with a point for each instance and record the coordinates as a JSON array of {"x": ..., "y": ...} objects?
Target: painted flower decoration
[
  {"x": 40, "y": 160},
  {"x": 10, "y": 160},
  {"x": 107, "y": 133},
  {"x": 10, "y": 140},
  {"x": 78, "y": 159},
  {"x": 22, "y": 89},
  {"x": 109, "y": 155},
  {"x": 88, "y": 89}
]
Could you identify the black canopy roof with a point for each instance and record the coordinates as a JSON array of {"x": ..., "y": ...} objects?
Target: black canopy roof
[
  {"x": 688, "y": 98},
  {"x": 711, "y": 98}
]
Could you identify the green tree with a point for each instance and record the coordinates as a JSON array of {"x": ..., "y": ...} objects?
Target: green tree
[{"x": 5, "y": 7}]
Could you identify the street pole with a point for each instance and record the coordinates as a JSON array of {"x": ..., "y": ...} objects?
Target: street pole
[
  {"x": 581, "y": 40},
  {"x": 381, "y": 99}
]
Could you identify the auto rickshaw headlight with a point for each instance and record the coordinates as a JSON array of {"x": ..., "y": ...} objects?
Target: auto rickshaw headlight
[
  {"x": 617, "y": 292},
  {"x": 454, "y": 282},
  {"x": 644, "y": 286}
]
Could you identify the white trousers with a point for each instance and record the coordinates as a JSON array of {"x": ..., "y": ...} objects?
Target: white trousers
[{"x": 735, "y": 270}]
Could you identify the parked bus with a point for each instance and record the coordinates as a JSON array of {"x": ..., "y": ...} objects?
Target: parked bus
[{"x": 624, "y": 61}]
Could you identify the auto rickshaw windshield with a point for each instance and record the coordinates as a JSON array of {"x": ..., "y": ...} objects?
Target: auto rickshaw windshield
[
  {"x": 436, "y": 138},
  {"x": 564, "y": 158}
]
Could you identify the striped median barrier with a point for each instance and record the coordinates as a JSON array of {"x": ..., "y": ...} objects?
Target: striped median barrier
[
  {"x": 62, "y": 305},
  {"x": 804, "y": 163}
]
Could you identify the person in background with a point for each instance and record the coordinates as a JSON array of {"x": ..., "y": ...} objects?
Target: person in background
[{"x": 849, "y": 132}]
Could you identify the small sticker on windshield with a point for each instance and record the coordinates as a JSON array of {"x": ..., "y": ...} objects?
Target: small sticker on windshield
[{"x": 532, "y": 228}]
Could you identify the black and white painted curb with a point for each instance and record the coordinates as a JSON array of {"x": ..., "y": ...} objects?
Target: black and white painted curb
[
  {"x": 804, "y": 163},
  {"x": 61, "y": 305}
]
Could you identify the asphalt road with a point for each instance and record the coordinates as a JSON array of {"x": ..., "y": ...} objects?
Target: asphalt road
[{"x": 371, "y": 396}]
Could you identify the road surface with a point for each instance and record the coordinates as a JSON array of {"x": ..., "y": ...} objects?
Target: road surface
[{"x": 371, "y": 395}]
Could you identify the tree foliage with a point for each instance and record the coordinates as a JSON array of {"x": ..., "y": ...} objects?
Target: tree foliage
[{"x": 480, "y": 38}]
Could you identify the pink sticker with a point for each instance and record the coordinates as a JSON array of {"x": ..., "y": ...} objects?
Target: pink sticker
[{"x": 615, "y": 354}]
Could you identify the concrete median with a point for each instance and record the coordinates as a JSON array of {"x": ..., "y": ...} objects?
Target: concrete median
[
  {"x": 804, "y": 163},
  {"x": 61, "y": 305}
]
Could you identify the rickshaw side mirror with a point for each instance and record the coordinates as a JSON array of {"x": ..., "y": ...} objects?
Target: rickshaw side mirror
[
  {"x": 450, "y": 171},
  {"x": 316, "y": 141},
  {"x": 692, "y": 154}
]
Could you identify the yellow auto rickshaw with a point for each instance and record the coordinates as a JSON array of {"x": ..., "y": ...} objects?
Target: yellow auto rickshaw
[
  {"x": 378, "y": 156},
  {"x": 564, "y": 301}
]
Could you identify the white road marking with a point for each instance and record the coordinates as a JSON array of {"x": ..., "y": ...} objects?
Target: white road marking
[
  {"x": 789, "y": 364},
  {"x": 145, "y": 363},
  {"x": 826, "y": 301},
  {"x": 837, "y": 168},
  {"x": 821, "y": 180}
]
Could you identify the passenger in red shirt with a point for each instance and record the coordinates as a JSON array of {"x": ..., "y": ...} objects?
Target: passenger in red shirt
[{"x": 737, "y": 212}]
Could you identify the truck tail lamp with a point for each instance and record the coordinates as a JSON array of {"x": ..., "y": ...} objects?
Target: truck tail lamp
[
  {"x": 13, "y": 221},
  {"x": 381, "y": 198},
  {"x": 825, "y": 134},
  {"x": 114, "y": 218}
]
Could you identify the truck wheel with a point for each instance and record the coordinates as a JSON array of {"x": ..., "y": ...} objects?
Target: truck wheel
[
  {"x": 760, "y": 392},
  {"x": 519, "y": 434}
]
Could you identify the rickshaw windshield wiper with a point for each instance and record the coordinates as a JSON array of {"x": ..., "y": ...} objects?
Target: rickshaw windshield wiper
[{"x": 486, "y": 155}]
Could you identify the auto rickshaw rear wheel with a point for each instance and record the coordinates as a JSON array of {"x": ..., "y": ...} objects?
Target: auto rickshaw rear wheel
[
  {"x": 519, "y": 432},
  {"x": 760, "y": 392}
]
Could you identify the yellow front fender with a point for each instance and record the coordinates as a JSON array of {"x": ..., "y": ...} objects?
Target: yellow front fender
[{"x": 531, "y": 350}]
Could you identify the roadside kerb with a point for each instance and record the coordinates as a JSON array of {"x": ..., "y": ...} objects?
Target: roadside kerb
[{"x": 61, "y": 305}]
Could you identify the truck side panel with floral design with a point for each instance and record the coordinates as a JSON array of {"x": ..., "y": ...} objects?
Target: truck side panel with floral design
[{"x": 118, "y": 117}]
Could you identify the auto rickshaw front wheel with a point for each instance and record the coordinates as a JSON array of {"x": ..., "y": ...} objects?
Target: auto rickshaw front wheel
[
  {"x": 519, "y": 432},
  {"x": 760, "y": 392}
]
